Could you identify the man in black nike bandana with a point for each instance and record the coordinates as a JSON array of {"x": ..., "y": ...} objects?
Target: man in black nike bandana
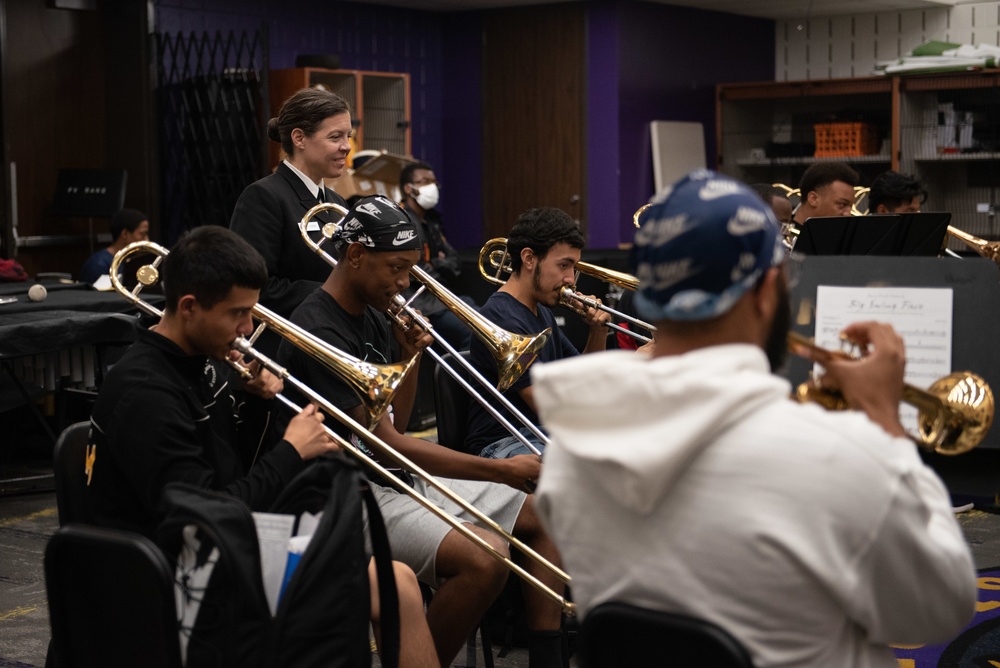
[{"x": 376, "y": 247}]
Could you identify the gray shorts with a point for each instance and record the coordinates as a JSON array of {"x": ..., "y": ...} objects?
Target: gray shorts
[{"x": 415, "y": 533}]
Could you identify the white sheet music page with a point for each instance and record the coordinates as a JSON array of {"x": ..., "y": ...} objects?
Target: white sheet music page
[
  {"x": 273, "y": 532},
  {"x": 922, "y": 316}
]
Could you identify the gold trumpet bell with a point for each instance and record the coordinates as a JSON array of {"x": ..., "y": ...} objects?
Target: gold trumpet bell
[
  {"x": 968, "y": 406},
  {"x": 988, "y": 249},
  {"x": 514, "y": 354}
]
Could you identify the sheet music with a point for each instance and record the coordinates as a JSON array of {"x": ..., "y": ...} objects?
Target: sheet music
[
  {"x": 273, "y": 532},
  {"x": 922, "y": 316}
]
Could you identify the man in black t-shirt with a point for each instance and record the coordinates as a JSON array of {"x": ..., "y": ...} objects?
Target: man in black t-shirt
[
  {"x": 544, "y": 246},
  {"x": 376, "y": 246}
]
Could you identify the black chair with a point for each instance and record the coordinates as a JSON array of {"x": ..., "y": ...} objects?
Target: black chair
[
  {"x": 69, "y": 461},
  {"x": 451, "y": 404},
  {"x": 618, "y": 634},
  {"x": 111, "y": 600},
  {"x": 451, "y": 407}
]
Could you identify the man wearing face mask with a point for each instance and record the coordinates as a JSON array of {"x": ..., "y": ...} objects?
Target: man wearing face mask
[{"x": 420, "y": 192}]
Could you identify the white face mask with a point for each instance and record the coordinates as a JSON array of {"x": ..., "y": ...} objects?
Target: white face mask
[{"x": 427, "y": 196}]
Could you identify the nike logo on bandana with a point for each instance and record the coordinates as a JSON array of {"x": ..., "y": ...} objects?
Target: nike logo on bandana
[{"x": 404, "y": 236}]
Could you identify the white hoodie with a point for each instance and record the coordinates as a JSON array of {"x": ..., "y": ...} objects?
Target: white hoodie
[{"x": 692, "y": 483}]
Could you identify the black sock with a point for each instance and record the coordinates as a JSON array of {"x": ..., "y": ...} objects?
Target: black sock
[{"x": 545, "y": 649}]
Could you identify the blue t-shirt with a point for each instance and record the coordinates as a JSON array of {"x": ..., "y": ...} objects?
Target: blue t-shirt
[
  {"x": 96, "y": 266},
  {"x": 505, "y": 311}
]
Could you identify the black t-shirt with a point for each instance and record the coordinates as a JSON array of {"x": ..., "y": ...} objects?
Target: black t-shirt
[
  {"x": 366, "y": 337},
  {"x": 507, "y": 312}
]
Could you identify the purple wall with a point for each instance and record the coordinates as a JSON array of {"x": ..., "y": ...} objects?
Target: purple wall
[
  {"x": 645, "y": 61},
  {"x": 462, "y": 129},
  {"x": 670, "y": 59}
]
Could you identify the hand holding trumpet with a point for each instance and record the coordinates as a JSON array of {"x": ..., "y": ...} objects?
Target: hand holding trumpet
[{"x": 872, "y": 383}]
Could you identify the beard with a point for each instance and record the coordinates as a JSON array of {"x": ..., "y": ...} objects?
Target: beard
[
  {"x": 548, "y": 297},
  {"x": 776, "y": 346}
]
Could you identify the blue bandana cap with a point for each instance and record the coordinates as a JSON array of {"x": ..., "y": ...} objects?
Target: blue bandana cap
[
  {"x": 378, "y": 223},
  {"x": 705, "y": 241}
]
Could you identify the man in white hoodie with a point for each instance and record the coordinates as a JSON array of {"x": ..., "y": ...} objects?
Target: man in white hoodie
[{"x": 688, "y": 481}]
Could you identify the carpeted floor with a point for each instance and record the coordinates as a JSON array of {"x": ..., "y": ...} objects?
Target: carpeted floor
[{"x": 977, "y": 646}]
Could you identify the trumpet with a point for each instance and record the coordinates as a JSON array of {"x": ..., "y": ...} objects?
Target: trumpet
[
  {"x": 149, "y": 275},
  {"x": 514, "y": 353},
  {"x": 954, "y": 413},
  {"x": 494, "y": 256},
  {"x": 988, "y": 249}
]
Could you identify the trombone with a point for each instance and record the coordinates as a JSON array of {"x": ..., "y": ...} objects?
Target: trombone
[
  {"x": 494, "y": 255},
  {"x": 954, "y": 413},
  {"x": 149, "y": 274},
  {"x": 376, "y": 384},
  {"x": 514, "y": 353}
]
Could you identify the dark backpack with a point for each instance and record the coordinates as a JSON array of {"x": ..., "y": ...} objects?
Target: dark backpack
[{"x": 323, "y": 616}]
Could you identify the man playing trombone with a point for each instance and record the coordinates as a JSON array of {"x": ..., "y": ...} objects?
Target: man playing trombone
[
  {"x": 543, "y": 249},
  {"x": 376, "y": 246},
  {"x": 171, "y": 411},
  {"x": 815, "y": 538}
]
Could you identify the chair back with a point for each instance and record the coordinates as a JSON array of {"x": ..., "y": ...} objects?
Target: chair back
[
  {"x": 451, "y": 404},
  {"x": 111, "y": 600},
  {"x": 69, "y": 464},
  {"x": 618, "y": 634}
]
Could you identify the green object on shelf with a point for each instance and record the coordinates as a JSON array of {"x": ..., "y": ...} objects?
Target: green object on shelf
[{"x": 934, "y": 48}]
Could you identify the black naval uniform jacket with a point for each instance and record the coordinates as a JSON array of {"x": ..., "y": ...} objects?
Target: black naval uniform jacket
[{"x": 267, "y": 215}]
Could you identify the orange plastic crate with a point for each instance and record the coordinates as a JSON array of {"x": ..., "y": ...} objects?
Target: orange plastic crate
[{"x": 845, "y": 139}]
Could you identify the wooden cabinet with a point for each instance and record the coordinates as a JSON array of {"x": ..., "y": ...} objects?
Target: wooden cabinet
[
  {"x": 380, "y": 103},
  {"x": 942, "y": 128}
]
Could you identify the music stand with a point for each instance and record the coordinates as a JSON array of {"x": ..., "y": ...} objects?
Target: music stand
[
  {"x": 89, "y": 193},
  {"x": 906, "y": 234}
]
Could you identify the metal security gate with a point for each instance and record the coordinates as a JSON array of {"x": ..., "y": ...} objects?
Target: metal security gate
[{"x": 212, "y": 104}]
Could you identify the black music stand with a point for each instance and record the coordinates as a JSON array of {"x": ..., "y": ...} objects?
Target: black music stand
[
  {"x": 975, "y": 286},
  {"x": 89, "y": 193},
  {"x": 905, "y": 234}
]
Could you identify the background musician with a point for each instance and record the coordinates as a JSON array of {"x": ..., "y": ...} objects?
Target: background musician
[
  {"x": 127, "y": 226},
  {"x": 816, "y": 538},
  {"x": 543, "y": 248},
  {"x": 420, "y": 190},
  {"x": 314, "y": 129},
  {"x": 780, "y": 205},
  {"x": 375, "y": 250},
  {"x": 826, "y": 189},
  {"x": 892, "y": 192}
]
